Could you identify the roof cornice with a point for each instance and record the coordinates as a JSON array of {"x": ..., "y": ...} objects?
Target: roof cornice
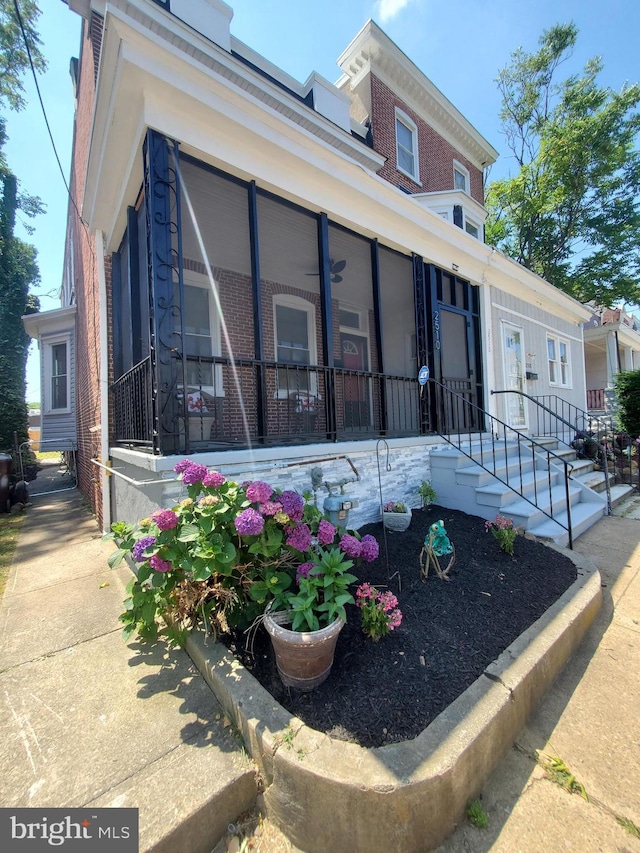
[{"x": 372, "y": 51}]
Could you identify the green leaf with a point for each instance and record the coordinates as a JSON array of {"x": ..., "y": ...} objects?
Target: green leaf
[
  {"x": 116, "y": 558},
  {"x": 189, "y": 533}
]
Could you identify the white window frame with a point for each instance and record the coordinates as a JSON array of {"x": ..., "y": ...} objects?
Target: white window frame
[
  {"x": 288, "y": 300},
  {"x": 196, "y": 279},
  {"x": 412, "y": 127},
  {"x": 559, "y": 342},
  {"x": 458, "y": 167},
  {"x": 473, "y": 224},
  {"x": 48, "y": 374}
]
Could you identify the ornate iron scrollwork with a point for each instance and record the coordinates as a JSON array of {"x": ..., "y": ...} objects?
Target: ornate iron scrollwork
[{"x": 164, "y": 258}]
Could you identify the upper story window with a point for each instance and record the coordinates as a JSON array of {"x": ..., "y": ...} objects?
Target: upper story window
[
  {"x": 461, "y": 180},
  {"x": 56, "y": 362},
  {"x": 471, "y": 228},
  {"x": 558, "y": 360},
  {"x": 407, "y": 146}
]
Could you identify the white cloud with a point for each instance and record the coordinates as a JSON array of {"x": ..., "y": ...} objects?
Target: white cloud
[{"x": 386, "y": 10}]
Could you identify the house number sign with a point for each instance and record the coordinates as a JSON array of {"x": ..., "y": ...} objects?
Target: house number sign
[{"x": 436, "y": 329}]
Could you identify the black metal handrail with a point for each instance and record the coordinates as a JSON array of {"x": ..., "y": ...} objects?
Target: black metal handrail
[
  {"x": 132, "y": 405},
  {"x": 602, "y": 452},
  {"x": 455, "y": 409}
]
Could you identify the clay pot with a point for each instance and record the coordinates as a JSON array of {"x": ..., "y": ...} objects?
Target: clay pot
[{"x": 304, "y": 658}]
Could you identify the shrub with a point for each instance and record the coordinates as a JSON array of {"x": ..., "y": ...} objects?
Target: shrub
[{"x": 627, "y": 387}]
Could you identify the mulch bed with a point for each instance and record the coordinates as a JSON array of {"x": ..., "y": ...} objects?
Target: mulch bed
[{"x": 388, "y": 691}]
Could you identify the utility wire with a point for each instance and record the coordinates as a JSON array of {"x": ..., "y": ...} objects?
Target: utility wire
[{"x": 44, "y": 112}]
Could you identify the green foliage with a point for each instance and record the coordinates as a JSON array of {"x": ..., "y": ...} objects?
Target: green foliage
[
  {"x": 228, "y": 552},
  {"x": 632, "y": 828},
  {"x": 558, "y": 772},
  {"x": 427, "y": 493},
  {"x": 627, "y": 386},
  {"x": 477, "y": 815},
  {"x": 379, "y": 611},
  {"x": 14, "y": 60},
  {"x": 504, "y": 532},
  {"x": 571, "y": 214}
]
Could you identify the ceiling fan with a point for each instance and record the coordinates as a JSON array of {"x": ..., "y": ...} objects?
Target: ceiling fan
[{"x": 335, "y": 268}]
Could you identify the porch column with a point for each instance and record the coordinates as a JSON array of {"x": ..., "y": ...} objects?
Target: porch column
[{"x": 164, "y": 257}]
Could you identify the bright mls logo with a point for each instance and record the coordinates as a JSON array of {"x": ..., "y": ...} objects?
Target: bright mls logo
[{"x": 35, "y": 830}]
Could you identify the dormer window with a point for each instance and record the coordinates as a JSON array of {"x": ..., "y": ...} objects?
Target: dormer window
[
  {"x": 407, "y": 146},
  {"x": 460, "y": 177}
]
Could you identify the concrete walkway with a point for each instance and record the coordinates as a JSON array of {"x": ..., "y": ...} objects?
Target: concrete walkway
[
  {"x": 590, "y": 719},
  {"x": 87, "y": 720}
]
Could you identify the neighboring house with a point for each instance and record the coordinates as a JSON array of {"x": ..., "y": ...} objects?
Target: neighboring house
[
  {"x": 55, "y": 332},
  {"x": 266, "y": 265},
  {"x": 611, "y": 345}
]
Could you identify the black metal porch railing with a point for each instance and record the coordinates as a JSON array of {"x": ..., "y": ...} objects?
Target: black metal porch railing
[
  {"x": 504, "y": 447},
  {"x": 132, "y": 406},
  {"x": 232, "y": 403},
  {"x": 592, "y": 436}
]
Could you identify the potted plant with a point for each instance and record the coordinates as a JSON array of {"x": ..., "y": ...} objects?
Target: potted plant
[
  {"x": 427, "y": 493},
  {"x": 228, "y": 552},
  {"x": 396, "y": 516}
]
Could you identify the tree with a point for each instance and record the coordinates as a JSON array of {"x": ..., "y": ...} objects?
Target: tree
[
  {"x": 18, "y": 268},
  {"x": 572, "y": 213}
]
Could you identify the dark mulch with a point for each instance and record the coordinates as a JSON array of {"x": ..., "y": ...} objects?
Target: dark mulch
[{"x": 388, "y": 691}]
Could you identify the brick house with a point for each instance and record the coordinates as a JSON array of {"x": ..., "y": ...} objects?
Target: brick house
[{"x": 266, "y": 264}]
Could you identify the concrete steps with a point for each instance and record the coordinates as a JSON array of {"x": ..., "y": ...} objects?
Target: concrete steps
[{"x": 522, "y": 484}]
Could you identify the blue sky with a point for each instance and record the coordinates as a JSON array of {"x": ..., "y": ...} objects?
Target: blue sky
[{"x": 459, "y": 46}]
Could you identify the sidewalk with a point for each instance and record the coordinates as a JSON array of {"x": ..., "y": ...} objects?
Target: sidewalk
[
  {"x": 590, "y": 719},
  {"x": 87, "y": 720}
]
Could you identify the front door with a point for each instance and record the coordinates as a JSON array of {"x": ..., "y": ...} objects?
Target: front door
[
  {"x": 455, "y": 330},
  {"x": 355, "y": 356},
  {"x": 513, "y": 352}
]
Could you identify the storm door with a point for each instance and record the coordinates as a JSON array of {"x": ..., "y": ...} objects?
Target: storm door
[{"x": 456, "y": 353}]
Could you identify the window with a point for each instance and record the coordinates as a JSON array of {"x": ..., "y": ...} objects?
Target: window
[
  {"x": 201, "y": 335},
  {"x": 57, "y": 376},
  {"x": 460, "y": 177},
  {"x": 471, "y": 228},
  {"x": 558, "y": 359},
  {"x": 407, "y": 146},
  {"x": 295, "y": 343}
]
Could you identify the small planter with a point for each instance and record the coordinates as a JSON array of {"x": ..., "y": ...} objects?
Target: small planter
[
  {"x": 397, "y": 521},
  {"x": 304, "y": 658}
]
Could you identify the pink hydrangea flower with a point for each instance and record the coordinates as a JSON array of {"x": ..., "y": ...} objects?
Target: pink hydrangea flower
[
  {"x": 166, "y": 519},
  {"x": 259, "y": 492},
  {"x": 370, "y": 548},
  {"x": 299, "y": 538},
  {"x": 160, "y": 565},
  {"x": 270, "y": 508},
  {"x": 326, "y": 532},
  {"x": 182, "y": 466},
  {"x": 214, "y": 479},
  {"x": 194, "y": 474},
  {"x": 351, "y": 546}
]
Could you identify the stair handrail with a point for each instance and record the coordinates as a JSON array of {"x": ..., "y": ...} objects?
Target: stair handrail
[
  {"x": 520, "y": 436},
  {"x": 574, "y": 427}
]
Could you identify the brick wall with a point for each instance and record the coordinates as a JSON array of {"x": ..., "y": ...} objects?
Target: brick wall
[
  {"x": 86, "y": 282},
  {"x": 436, "y": 155}
]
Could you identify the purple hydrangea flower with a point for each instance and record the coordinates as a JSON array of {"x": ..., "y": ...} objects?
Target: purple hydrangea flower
[
  {"x": 141, "y": 546},
  {"x": 194, "y": 474},
  {"x": 292, "y": 504},
  {"x": 270, "y": 507},
  {"x": 369, "y": 548},
  {"x": 182, "y": 465},
  {"x": 299, "y": 538},
  {"x": 166, "y": 519},
  {"x": 259, "y": 492},
  {"x": 303, "y": 571},
  {"x": 350, "y": 545},
  {"x": 214, "y": 479},
  {"x": 326, "y": 532},
  {"x": 249, "y": 522},
  {"x": 160, "y": 565}
]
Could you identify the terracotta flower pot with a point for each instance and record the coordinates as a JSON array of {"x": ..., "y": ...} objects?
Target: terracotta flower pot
[
  {"x": 397, "y": 521},
  {"x": 304, "y": 658}
]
